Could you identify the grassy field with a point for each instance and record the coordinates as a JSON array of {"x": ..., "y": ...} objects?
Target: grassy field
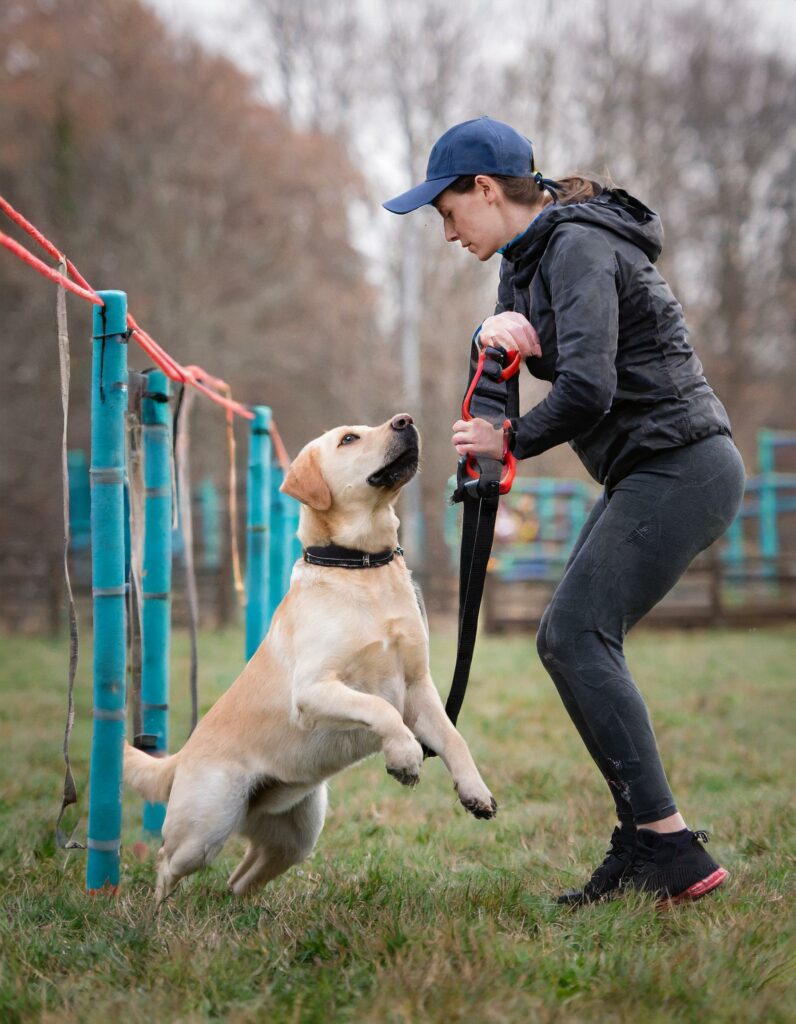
[{"x": 410, "y": 910}]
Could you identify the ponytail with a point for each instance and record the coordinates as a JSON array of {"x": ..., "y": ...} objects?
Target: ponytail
[{"x": 573, "y": 189}]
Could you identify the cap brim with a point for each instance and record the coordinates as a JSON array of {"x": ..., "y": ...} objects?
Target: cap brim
[{"x": 421, "y": 195}]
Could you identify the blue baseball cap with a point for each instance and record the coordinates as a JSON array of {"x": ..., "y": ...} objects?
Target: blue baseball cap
[{"x": 480, "y": 146}]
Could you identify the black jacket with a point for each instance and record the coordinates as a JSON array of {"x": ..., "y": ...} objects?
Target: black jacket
[{"x": 626, "y": 382}]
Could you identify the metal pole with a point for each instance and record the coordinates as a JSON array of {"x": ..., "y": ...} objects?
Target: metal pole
[
  {"x": 108, "y": 408},
  {"x": 156, "y": 583},
  {"x": 258, "y": 529}
]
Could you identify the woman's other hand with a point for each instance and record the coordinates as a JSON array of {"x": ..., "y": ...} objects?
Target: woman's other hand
[
  {"x": 478, "y": 437},
  {"x": 511, "y": 331}
]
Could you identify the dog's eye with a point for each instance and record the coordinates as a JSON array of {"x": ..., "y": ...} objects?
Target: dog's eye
[{"x": 348, "y": 439}]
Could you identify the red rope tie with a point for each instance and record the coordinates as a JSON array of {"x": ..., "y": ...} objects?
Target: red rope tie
[
  {"x": 193, "y": 375},
  {"x": 34, "y": 233},
  {"x": 49, "y": 272}
]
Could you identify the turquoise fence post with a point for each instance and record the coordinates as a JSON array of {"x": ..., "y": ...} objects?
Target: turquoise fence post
[
  {"x": 108, "y": 409},
  {"x": 733, "y": 554},
  {"x": 769, "y": 538},
  {"x": 577, "y": 514},
  {"x": 258, "y": 528},
  {"x": 156, "y": 581},
  {"x": 277, "y": 555},
  {"x": 79, "y": 500},
  {"x": 452, "y": 526},
  {"x": 290, "y": 540},
  {"x": 211, "y": 524},
  {"x": 296, "y": 545}
]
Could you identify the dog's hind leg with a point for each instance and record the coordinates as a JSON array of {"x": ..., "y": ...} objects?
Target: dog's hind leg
[
  {"x": 203, "y": 811},
  {"x": 249, "y": 858},
  {"x": 167, "y": 879},
  {"x": 278, "y": 841}
]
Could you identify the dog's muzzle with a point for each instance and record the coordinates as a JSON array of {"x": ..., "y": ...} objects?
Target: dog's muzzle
[{"x": 401, "y": 456}]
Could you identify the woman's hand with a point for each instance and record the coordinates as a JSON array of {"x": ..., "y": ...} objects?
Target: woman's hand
[
  {"x": 478, "y": 437},
  {"x": 512, "y": 332}
]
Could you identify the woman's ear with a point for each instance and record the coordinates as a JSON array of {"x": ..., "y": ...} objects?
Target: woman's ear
[
  {"x": 487, "y": 187},
  {"x": 305, "y": 481}
]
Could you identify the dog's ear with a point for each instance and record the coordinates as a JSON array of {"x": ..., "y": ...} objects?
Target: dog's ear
[{"x": 305, "y": 481}]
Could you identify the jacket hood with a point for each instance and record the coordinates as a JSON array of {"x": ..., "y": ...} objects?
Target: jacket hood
[{"x": 612, "y": 209}]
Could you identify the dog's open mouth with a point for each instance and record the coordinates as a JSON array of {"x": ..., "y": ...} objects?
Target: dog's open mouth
[{"x": 398, "y": 471}]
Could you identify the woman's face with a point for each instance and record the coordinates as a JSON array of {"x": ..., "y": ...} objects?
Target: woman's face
[{"x": 476, "y": 218}]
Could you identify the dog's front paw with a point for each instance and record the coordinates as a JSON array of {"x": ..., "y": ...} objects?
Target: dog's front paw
[
  {"x": 406, "y": 776},
  {"x": 480, "y": 805},
  {"x": 404, "y": 760}
]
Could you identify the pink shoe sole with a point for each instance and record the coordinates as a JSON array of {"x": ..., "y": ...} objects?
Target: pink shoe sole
[{"x": 699, "y": 889}]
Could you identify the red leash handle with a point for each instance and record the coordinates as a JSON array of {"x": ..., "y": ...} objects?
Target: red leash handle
[
  {"x": 509, "y": 370},
  {"x": 506, "y": 478}
]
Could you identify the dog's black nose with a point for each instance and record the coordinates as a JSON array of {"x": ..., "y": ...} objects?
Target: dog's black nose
[{"x": 401, "y": 421}]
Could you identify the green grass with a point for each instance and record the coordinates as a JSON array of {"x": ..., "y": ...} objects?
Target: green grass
[{"x": 410, "y": 910}]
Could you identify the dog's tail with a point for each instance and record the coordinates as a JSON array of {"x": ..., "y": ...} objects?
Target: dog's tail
[{"x": 151, "y": 777}]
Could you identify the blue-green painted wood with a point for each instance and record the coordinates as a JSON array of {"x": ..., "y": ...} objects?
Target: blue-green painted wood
[
  {"x": 108, "y": 408},
  {"x": 296, "y": 546},
  {"x": 277, "y": 555},
  {"x": 769, "y": 534},
  {"x": 156, "y": 576},
  {"x": 291, "y": 542},
  {"x": 211, "y": 524},
  {"x": 79, "y": 500},
  {"x": 258, "y": 528},
  {"x": 734, "y": 552}
]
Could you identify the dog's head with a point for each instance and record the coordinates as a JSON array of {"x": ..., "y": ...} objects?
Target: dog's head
[{"x": 355, "y": 466}]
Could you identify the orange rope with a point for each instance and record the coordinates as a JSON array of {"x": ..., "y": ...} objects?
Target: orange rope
[
  {"x": 214, "y": 388},
  {"x": 49, "y": 272},
  {"x": 193, "y": 375},
  {"x": 279, "y": 448}
]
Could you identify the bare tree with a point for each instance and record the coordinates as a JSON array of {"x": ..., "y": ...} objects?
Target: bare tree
[{"x": 155, "y": 167}]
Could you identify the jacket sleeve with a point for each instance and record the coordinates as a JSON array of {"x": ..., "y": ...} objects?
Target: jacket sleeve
[{"x": 580, "y": 267}]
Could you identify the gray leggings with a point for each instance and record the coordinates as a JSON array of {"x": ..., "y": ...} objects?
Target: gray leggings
[{"x": 635, "y": 545}]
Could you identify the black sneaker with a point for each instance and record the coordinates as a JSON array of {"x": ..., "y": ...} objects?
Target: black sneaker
[
  {"x": 608, "y": 877},
  {"x": 674, "y": 866}
]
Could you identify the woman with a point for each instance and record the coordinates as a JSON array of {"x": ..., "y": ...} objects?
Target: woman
[{"x": 580, "y": 298}]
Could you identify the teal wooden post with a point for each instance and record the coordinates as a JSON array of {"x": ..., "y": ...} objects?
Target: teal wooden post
[
  {"x": 452, "y": 526},
  {"x": 577, "y": 515},
  {"x": 547, "y": 508},
  {"x": 296, "y": 545},
  {"x": 258, "y": 529},
  {"x": 211, "y": 525},
  {"x": 278, "y": 554},
  {"x": 79, "y": 500},
  {"x": 108, "y": 408},
  {"x": 290, "y": 541},
  {"x": 769, "y": 539},
  {"x": 156, "y": 582},
  {"x": 734, "y": 539}
]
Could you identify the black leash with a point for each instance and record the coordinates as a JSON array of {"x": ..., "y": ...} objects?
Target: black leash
[{"x": 492, "y": 394}]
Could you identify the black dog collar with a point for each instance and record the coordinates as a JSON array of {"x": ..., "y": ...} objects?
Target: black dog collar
[{"x": 337, "y": 557}]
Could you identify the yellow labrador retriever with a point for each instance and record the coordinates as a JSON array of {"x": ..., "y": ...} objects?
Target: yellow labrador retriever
[{"x": 342, "y": 673}]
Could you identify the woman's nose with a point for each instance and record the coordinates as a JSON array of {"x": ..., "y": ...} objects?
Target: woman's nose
[{"x": 401, "y": 421}]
